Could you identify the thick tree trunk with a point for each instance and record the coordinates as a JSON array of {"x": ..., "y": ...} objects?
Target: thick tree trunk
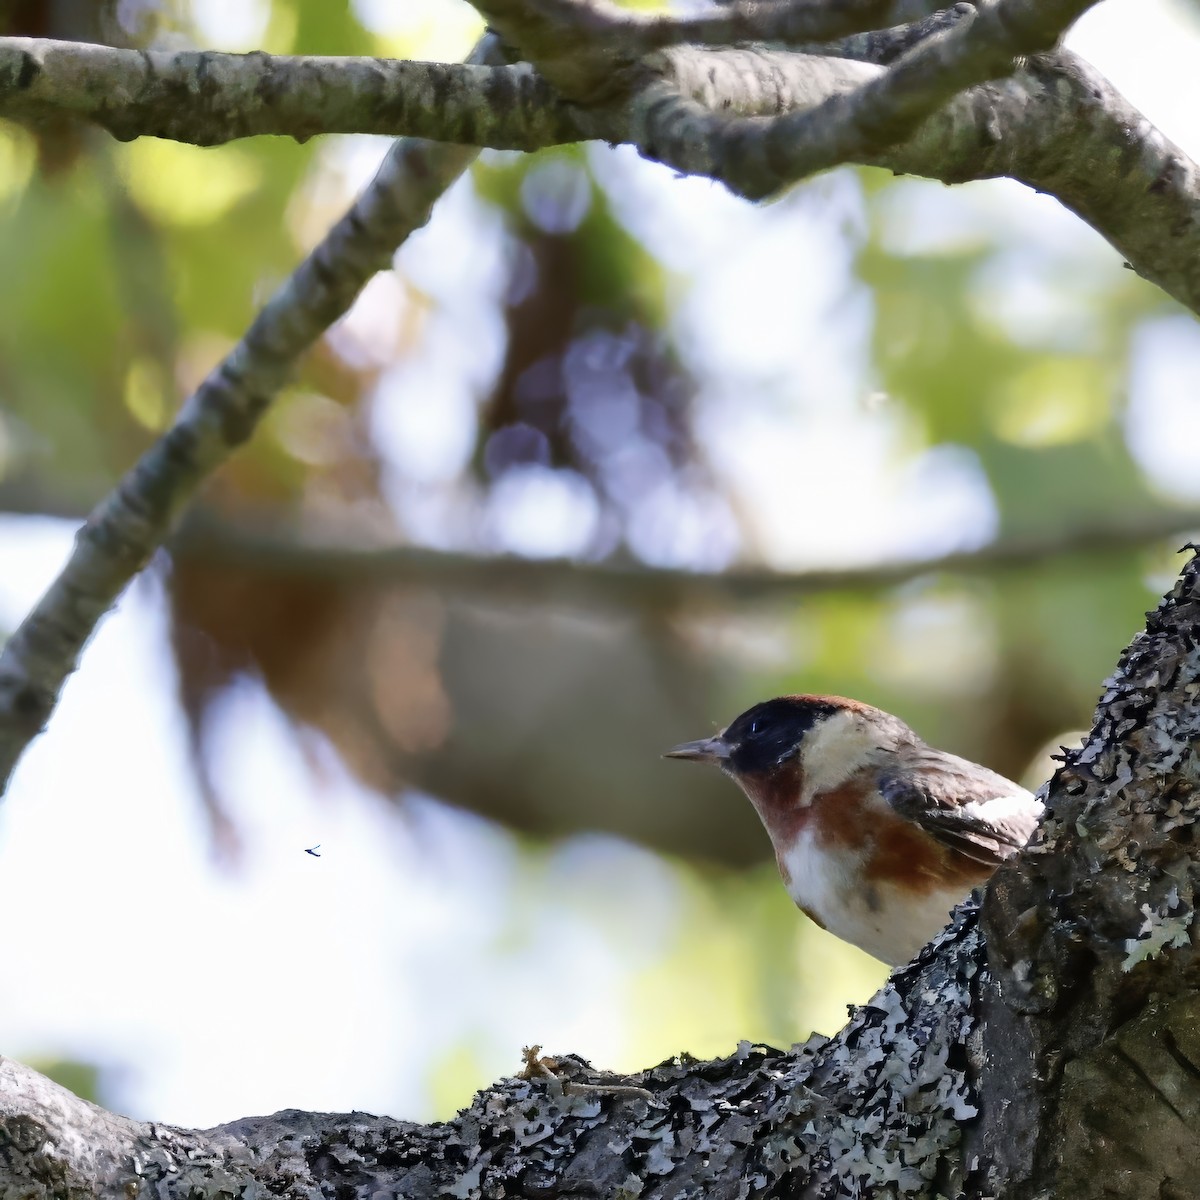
[{"x": 1090, "y": 1050}]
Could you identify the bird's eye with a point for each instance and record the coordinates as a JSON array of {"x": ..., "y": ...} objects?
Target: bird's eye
[{"x": 756, "y": 725}]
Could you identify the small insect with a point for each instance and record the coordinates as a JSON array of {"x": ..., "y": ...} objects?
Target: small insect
[{"x": 313, "y": 850}]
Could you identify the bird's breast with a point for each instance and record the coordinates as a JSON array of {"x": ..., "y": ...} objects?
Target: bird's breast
[{"x": 868, "y": 876}]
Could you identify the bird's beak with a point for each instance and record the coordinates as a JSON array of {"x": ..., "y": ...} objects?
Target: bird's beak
[{"x": 711, "y": 750}]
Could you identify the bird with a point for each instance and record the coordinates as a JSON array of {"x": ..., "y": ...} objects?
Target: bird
[{"x": 877, "y": 834}]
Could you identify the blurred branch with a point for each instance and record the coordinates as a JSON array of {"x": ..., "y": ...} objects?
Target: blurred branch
[
  {"x": 208, "y": 98},
  {"x": 27, "y": 495},
  {"x": 639, "y": 586},
  {"x": 256, "y": 544},
  {"x": 125, "y": 529}
]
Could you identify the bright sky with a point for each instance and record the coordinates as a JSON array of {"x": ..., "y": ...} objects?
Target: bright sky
[
  {"x": 325, "y": 983},
  {"x": 296, "y": 981}
]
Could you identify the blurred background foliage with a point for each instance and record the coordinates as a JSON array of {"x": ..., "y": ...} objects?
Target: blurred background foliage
[{"x": 587, "y": 361}]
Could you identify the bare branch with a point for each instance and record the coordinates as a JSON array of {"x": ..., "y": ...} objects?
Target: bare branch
[
  {"x": 630, "y": 34},
  {"x": 128, "y": 525},
  {"x": 638, "y": 33},
  {"x": 208, "y": 98},
  {"x": 644, "y": 587},
  {"x": 752, "y": 81},
  {"x": 589, "y": 49},
  {"x": 1084, "y": 143},
  {"x": 757, "y": 157},
  {"x": 1057, "y": 125},
  {"x": 883, "y": 46}
]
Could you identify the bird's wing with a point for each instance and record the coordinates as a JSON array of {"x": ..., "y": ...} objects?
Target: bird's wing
[{"x": 965, "y": 806}]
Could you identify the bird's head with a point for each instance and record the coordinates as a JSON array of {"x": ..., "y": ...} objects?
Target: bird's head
[{"x": 783, "y": 750}]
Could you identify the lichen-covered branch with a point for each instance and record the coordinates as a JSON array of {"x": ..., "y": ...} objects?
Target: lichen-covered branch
[
  {"x": 1049, "y": 1048},
  {"x": 881, "y": 1103},
  {"x": 206, "y": 97},
  {"x": 126, "y": 528},
  {"x": 1090, "y": 1045}
]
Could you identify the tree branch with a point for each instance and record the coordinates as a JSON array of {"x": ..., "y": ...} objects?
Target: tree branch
[
  {"x": 784, "y": 21},
  {"x": 758, "y": 157},
  {"x": 630, "y": 34},
  {"x": 1073, "y": 1034},
  {"x": 882, "y": 46},
  {"x": 1091, "y": 1013},
  {"x": 823, "y": 1112},
  {"x": 587, "y": 48},
  {"x": 129, "y": 525},
  {"x": 1057, "y": 125},
  {"x": 638, "y": 587},
  {"x": 208, "y": 98},
  {"x": 1085, "y": 144}
]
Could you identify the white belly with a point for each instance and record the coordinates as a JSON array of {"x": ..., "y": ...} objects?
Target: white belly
[{"x": 888, "y": 925}]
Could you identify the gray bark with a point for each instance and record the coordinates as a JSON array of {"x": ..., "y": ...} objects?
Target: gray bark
[
  {"x": 207, "y": 98},
  {"x": 1091, "y": 1015}
]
